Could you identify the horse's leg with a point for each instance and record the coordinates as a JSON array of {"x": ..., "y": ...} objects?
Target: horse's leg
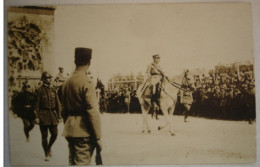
[
  {"x": 145, "y": 110},
  {"x": 170, "y": 111},
  {"x": 167, "y": 117}
]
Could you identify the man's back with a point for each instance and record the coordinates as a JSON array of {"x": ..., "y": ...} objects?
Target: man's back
[{"x": 80, "y": 106}]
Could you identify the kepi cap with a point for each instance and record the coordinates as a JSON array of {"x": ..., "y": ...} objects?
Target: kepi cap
[{"x": 156, "y": 56}]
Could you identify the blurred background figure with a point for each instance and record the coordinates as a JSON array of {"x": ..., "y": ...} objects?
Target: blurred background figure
[
  {"x": 23, "y": 107},
  {"x": 58, "y": 80}
]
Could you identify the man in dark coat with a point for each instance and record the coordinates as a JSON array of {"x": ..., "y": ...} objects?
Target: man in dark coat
[
  {"x": 250, "y": 103},
  {"x": 80, "y": 111},
  {"x": 23, "y": 107},
  {"x": 48, "y": 113}
]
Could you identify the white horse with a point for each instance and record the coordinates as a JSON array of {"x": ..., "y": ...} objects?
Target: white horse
[{"x": 167, "y": 101}]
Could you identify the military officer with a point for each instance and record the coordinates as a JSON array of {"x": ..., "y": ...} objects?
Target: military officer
[
  {"x": 80, "y": 111},
  {"x": 154, "y": 75},
  {"x": 48, "y": 113}
]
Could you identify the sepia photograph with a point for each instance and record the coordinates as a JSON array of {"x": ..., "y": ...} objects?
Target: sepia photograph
[{"x": 131, "y": 84}]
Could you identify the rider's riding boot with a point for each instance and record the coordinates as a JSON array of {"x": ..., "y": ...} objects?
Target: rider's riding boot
[{"x": 153, "y": 99}]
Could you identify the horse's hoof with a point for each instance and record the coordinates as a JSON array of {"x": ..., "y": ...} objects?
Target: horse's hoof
[
  {"x": 149, "y": 131},
  {"x": 159, "y": 128}
]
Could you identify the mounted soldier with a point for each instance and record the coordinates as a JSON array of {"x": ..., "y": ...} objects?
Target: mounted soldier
[
  {"x": 154, "y": 75},
  {"x": 158, "y": 92}
]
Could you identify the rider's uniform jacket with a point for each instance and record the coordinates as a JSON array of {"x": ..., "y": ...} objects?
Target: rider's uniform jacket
[
  {"x": 154, "y": 73},
  {"x": 153, "y": 69}
]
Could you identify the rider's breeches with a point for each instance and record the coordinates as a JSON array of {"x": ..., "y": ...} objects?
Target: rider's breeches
[{"x": 155, "y": 79}]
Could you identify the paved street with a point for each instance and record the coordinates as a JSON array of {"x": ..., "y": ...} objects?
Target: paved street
[{"x": 199, "y": 141}]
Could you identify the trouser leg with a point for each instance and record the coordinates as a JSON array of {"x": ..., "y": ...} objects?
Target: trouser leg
[
  {"x": 84, "y": 148},
  {"x": 186, "y": 111},
  {"x": 26, "y": 125},
  {"x": 31, "y": 125},
  {"x": 71, "y": 150},
  {"x": 44, "y": 133},
  {"x": 152, "y": 96},
  {"x": 54, "y": 133}
]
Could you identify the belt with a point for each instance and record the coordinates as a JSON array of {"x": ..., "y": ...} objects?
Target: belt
[
  {"x": 47, "y": 108},
  {"x": 27, "y": 106},
  {"x": 77, "y": 113},
  {"x": 155, "y": 74}
]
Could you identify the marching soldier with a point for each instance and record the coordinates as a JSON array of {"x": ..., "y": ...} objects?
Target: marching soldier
[
  {"x": 82, "y": 128},
  {"x": 186, "y": 100},
  {"x": 23, "y": 107},
  {"x": 186, "y": 97},
  {"x": 48, "y": 113},
  {"x": 154, "y": 76}
]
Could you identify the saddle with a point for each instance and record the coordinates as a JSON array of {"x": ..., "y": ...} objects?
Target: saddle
[{"x": 147, "y": 93}]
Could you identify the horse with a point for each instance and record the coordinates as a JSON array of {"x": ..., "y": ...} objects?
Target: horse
[{"x": 167, "y": 101}]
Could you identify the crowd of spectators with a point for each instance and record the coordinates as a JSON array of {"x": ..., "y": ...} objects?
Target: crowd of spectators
[
  {"x": 228, "y": 96},
  {"x": 123, "y": 100}
]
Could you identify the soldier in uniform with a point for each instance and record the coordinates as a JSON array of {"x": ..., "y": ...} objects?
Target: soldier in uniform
[
  {"x": 23, "y": 107},
  {"x": 186, "y": 97},
  {"x": 250, "y": 102},
  {"x": 80, "y": 112},
  {"x": 48, "y": 113},
  {"x": 59, "y": 79},
  {"x": 154, "y": 76}
]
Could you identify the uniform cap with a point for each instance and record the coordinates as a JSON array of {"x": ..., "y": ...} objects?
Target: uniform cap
[
  {"x": 156, "y": 56},
  {"x": 82, "y": 56}
]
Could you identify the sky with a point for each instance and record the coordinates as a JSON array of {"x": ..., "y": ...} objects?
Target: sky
[{"x": 124, "y": 37}]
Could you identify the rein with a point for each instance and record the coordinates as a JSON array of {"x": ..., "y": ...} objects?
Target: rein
[
  {"x": 177, "y": 85},
  {"x": 169, "y": 95}
]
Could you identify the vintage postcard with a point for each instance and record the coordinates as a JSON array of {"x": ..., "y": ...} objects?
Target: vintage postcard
[{"x": 174, "y": 84}]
